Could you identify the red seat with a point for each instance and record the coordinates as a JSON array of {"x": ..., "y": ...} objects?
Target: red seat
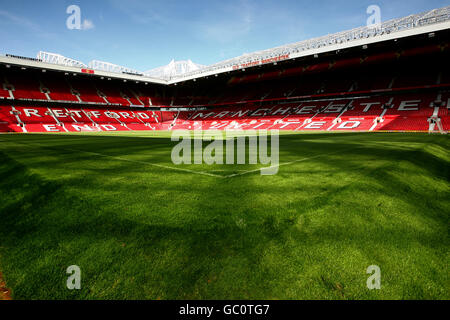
[
  {"x": 59, "y": 89},
  {"x": 25, "y": 87},
  {"x": 404, "y": 123},
  {"x": 35, "y": 115},
  {"x": 87, "y": 91}
]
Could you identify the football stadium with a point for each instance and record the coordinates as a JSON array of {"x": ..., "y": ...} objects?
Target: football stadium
[{"x": 357, "y": 126}]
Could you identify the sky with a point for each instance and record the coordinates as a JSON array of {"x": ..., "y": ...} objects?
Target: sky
[{"x": 150, "y": 33}]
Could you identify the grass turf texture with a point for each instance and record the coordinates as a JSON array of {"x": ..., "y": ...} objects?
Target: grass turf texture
[{"x": 143, "y": 232}]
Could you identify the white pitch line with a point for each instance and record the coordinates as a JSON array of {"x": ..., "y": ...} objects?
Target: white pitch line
[
  {"x": 123, "y": 159},
  {"x": 149, "y": 163},
  {"x": 225, "y": 170},
  {"x": 286, "y": 163},
  {"x": 193, "y": 171}
]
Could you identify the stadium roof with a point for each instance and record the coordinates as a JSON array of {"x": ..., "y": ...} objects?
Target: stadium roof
[
  {"x": 422, "y": 23},
  {"x": 174, "y": 69}
]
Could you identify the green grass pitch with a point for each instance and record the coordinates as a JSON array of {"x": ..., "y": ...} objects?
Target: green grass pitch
[{"x": 139, "y": 229}]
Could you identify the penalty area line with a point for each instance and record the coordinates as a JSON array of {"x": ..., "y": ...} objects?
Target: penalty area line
[
  {"x": 149, "y": 163},
  {"x": 286, "y": 163},
  {"x": 193, "y": 171},
  {"x": 120, "y": 159}
]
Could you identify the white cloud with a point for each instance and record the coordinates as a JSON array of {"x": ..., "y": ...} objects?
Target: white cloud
[
  {"x": 25, "y": 23},
  {"x": 87, "y": 25}
]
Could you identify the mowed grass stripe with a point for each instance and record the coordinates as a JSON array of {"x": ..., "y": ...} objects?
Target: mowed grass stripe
[{"x": 34, "y": 144}]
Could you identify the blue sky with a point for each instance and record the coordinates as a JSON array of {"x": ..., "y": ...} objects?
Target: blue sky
[{"x": 149, "y": 33}]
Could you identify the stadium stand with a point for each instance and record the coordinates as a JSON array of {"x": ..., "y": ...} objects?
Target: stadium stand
[
  {"x": 9, "y": 121},
  {"x": 32, "y": 115},
  {"x": 86, "y": 91},
  {"x": 57, "y": 88},
  {"x": 24, "y": 87},
  {"x": 4, "y": 93},
  {"x": 408, "y": 113}
]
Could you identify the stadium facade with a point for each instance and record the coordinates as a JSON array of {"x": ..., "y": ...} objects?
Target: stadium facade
[{"x": 390, "y": 77}]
